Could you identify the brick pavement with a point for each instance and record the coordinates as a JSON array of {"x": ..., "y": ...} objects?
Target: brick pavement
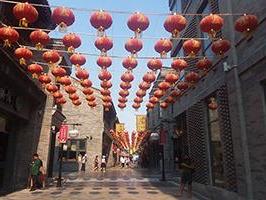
[{"x": 117, "y": 184}]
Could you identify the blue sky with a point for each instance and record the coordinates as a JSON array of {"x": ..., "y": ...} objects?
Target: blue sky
[{"x": 119, "y": 27}]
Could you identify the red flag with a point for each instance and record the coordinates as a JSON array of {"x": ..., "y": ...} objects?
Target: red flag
[{"x": 63, "y": 134}]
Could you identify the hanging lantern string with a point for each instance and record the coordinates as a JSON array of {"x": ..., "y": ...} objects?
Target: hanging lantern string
[
  {"x": 123, "y": 12},
  {"x": 113, "y": 56},
  {"x": 95, "y": 35}
]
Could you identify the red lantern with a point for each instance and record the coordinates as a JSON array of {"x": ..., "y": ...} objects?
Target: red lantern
[
  {"x": 44, "y": 79},
  {"x": 182, "y": 85},
  {"x": 63, "y": 17},
  {"x": 23, "y": 54},
  {"x": 133, "y": 46},
  {"x": 82, "y": 74},
  {"x": 127, "y": 77},
  {"x": 246, "y": 24},
  {"x": 176, "y": 93},
  {"x": 104, "y": 62},
  {"x": 211, "y": 24},
  {"x": 192, "y": 77},
  {"x": 51, "y": 57},
  {"x": 179, "y": 64},
  {"x": 144, "y": 86},
  {"x": 59, "y": 72},
  {"x": 154, "y": 64},
  {"x": 170, "y": 99},
  {"x": 65, "y": 80},
  {"x": 35, "y": 70},
  {"x": 86, "y": 83},
  {"x": 72, "y": 41},
  {"x": 140, "y": 93},
  {"x": 106, "y": 84},
  {"x": 125, "y": 85},
  {"x": 70, "y": 89},
  {"x": 25, "y": 13},
  {"x": 204, "y": 64},
  {"x": 122, "y": 105},
  {"x": 213, "y": 104},
  {"x": 101, "y": 20},
  {"x": 92, "y": 104},
  {"x": 136, "y": 106},
  {"x": 105, "y": 75},
  {"x": 124, "y": 93},
  {"x": 107, "y": 106},
  {"x": 164, "y": 86},
  {"x": 171, "y": 77},
  {"x": 154, "y": 100},
  {"x": 220, "y": 47},
  {"x": 51, "y": 88},
  {"x": 158, "y": 93},
  {"x": 122, "y": 100},
  {"x": 76, "y": 102},
  {"x": 8, "y": 35},
  {"x": 57, "y": 94},
  {"x": 150, "y": 106},
  {"x": 138, "y": 22},
  {"x": 163, "y": 46},
  {"x": 105, "y": 92},
  {"x": 60, "y": 100},
  {"x": 138, "y": 100},
  {"x": 130, "y": 63},
  {"x": 77, "y": 59},
  {"x": 104, "y": 44},
  {"x": 87, "y": 91},
  {"x": 174, "y": 24},
  {"x": 39, "y": 38},
  {"x": 73, "y": 96},
  {"x": 191, "y": 47},
  {"x": 149, "y": 77},
  {"x": 107, "y": 99},
  {"x": 163, "y": 105}
]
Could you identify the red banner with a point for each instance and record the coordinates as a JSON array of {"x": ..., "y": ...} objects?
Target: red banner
[{"x": 63, "y": 134}]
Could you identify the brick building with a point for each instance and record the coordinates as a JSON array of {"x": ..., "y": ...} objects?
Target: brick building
[
  {"x": 93, "y": 126},
  {"x": 227, "y": 145},
  {"x": 22, "y": 107}
]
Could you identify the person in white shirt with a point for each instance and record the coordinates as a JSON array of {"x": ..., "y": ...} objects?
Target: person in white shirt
[
  {"x": 122, "y": 161},
  {"x": 79, "y": 160},
  {"x": 103, "y": 164}
]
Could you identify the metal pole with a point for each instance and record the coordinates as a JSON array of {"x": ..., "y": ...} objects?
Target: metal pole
[
  {"x": 59, "y": 180},
  {"x": 163, "y": 169}
]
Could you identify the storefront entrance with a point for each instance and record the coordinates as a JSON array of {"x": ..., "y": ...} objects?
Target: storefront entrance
[{"x": 3, "y": 149}]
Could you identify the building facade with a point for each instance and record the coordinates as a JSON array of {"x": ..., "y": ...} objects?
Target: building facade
[
  {"x": 22, "y": 107},
  {"x": 91, "y": 131},
  {"x": 227, "y": 145}
]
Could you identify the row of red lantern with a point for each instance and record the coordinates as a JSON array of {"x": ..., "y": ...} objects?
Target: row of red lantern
[
  {"x": 147, "y": 80},
  {"x": 137, "y": 22},
  {"x": 105, "y": 77},
  {"x": 127, "y": 77}
]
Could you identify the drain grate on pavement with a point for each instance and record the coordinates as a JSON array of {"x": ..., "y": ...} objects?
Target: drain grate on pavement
[
  {"x": 132, "y": 192},
  {"x": 97, "y": 188},
  {"x": 113, "y": 192},
  {"x": 94, "y": 193},
  {"x": 113, "y": 188},
  {"x": 152, "y": 192}
]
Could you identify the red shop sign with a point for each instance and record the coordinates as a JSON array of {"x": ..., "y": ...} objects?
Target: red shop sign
[{"x": 63, "y": 134}]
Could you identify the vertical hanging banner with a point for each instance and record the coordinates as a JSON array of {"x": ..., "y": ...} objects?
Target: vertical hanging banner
[
  {"x": 141, "y": 123},
  {"x": 63, "y": 134},
  {"x": 119, "y": 127},
  {"x": 163, "y": 135}
]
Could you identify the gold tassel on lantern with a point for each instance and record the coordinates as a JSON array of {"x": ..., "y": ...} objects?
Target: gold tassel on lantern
[
  {"x": 22, "y": 61},
  {"x": 35, "y": 76},
  {"x": 62, "y": 27},
  {"x": 39, "y": 46},
  {"x": 71, "y": 50},
  {"x": 7, "y": 43},
  {"x": 23, "y": 22}
]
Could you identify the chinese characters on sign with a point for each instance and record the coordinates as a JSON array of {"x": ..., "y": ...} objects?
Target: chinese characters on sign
[
  {"x": 63, "y": 134},
  {"x": 119, "y": 127},
  {"x": 141, "y": 123}
]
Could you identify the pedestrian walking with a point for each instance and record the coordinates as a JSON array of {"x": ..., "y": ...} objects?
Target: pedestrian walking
[
  {"x": 103, "y": 164},
  {"x": 35, "y": 173},
  {"x": 83, "y": 162},
  {"x": 122, "y": 161},
  {"x": 127, "y": 161},
  {"x": 79, "y": 161},
  {"x": 187, "y": 168},
  {"x": 96, "y": 163}
]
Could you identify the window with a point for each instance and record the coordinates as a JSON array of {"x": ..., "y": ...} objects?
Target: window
[
  {"x": 73, "y": 148},
  {"x": 216, "y": 151}
]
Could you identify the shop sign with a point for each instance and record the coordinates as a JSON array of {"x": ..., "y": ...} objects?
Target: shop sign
[
  {"x": 141, "y": 121},
  {"x": 63, "y": 134},
  {"x": 120, "y": 127}
]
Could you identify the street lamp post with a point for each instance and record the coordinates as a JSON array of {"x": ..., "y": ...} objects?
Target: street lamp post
[{"x": 59, "y": 181}]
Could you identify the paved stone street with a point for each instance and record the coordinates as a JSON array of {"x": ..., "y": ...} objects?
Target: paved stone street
[{"x": 126, "y": 184}]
